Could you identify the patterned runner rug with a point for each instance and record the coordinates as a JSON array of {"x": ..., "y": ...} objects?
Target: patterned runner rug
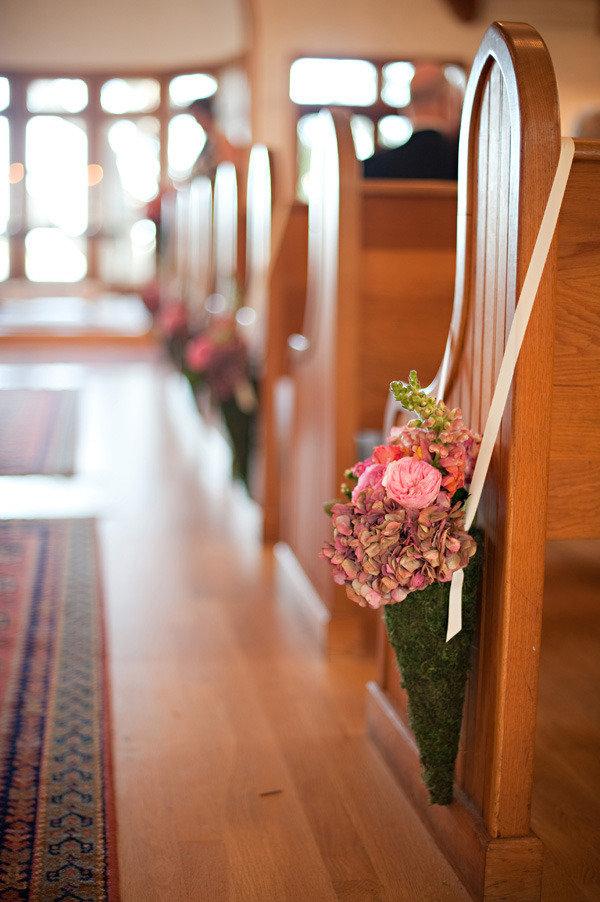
[
  {"x": 57, "y": 822},
  {"x": 38, "y": 429}
]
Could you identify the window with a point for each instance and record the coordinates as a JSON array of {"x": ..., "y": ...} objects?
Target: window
[
  {"x": 57, "y": 95},
  {"x": 395, "y": 90},
  {"x": 4, "y": 195},
  {"x": 186, "y": 141},
  {"x": 4, "y": 93},
  {"x": 333, "y": 81},
  {"x": 392, "y": 131},
  {"x": 94, "y": 148},
  {"x": 131, "y": 175},
  {"x": 184, "y": 89},
  {"x": 374, "y": 91},
  {"x": 363, "y": 132},
  {"x": 130, "y": 95}
]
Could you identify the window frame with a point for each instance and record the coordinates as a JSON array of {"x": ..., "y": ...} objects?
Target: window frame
[
  {"x": 95, "y": 120},
  {"x": 375, "y": 111}
]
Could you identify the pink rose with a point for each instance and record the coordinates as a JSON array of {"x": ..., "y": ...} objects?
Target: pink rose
[
  {"x": 412, "y": 483},
  {"x": 372, "y": 476}
]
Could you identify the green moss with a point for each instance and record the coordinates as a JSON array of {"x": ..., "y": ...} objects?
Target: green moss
[
  {"x": 240, "y": 426},
  {"x": 434, "y": 672}
]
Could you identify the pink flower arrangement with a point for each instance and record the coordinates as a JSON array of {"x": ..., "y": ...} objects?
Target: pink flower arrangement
[
  {"x": 173, "y": 319},
  {"x": 401, "y": 525},
  {"x": 150, "y": 295},
  {"x": 220, "y": 357}
]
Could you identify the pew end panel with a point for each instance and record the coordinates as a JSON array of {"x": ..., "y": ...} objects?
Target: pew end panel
[
  {"x": 229, "y": 232},
  {"x": 369, "y": 274},
  {"x": 200, "y": 257},
  {"x": 284, "y": 317},
  {"x": 510, "y": 138},
  {"x": 258, "y": 249}
]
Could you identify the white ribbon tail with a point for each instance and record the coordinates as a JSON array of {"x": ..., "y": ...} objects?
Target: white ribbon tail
[
  {"x": 516, "y": 335},
  {"x": 455, "y": 606}
]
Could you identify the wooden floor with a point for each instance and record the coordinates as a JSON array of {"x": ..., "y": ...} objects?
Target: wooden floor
[{"x": 242, "y": 768}]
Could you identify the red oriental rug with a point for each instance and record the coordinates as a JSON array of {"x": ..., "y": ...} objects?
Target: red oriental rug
[
  {"x": 38, "y": 431},
  {"x": 57, "y": 818}
]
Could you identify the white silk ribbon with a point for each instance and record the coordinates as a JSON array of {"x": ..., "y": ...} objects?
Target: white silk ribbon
[{"x": 516, "y": 335}]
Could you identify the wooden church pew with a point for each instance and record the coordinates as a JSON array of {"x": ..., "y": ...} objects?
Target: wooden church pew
[
  {"x": 199, "y": 253},
  {"x": 380, "y": 275},
  {"x": 259, "y": 216},
  {"x": 544, "y": 480},
  {"x": 229, "y": 231},
  {"x": 181, "y": 240},
  {"x": 275, "y": 291},
  {"x": 287, "y": 302},
  {"x": 167, "y": 264}
]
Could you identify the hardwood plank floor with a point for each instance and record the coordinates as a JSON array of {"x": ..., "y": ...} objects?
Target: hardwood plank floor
[{"x": 242, "y": 767}]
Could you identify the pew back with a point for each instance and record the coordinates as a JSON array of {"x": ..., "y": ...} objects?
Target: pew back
[
  {"x": 229, "y": 231},
  {"x": 378, "y": 299},
  {"x": 182, "y": 243},
  {"x": 200, "y": 270},
  {"x": 258, "y": 247}
]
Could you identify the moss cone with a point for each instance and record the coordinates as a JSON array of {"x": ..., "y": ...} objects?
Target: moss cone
[
  {"x": 434, "y": 672},
  {"x": 240, "y": 426}
]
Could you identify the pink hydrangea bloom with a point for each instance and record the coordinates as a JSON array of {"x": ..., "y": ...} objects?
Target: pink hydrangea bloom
[
  {"x": 411, "y": 482},
  {"x": 403, "y": 529}
]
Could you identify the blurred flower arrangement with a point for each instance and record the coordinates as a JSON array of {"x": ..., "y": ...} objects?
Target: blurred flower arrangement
[
  {"x": 173, "y": 325},
  {"x": 398, "y": 537},
  {"x": 217, "y": 360}
]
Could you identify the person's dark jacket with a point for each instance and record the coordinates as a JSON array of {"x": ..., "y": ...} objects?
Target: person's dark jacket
[{"x": 426, "y": 155}]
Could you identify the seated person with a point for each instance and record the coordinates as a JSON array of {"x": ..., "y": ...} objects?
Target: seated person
[
  {"x": 217, "y": 148},
  {"x": 432, "y": 150},
  {"x": 588, "y": 125}
]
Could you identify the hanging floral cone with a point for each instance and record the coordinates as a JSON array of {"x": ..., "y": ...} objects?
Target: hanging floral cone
[
  {"x": 398, "y": 537},
  {"x": 434, "y": 673}
]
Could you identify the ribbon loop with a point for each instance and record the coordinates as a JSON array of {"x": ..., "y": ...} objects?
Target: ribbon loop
[{"x": 506, "y": 373}]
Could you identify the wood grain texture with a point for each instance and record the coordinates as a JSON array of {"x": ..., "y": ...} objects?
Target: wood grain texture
[
  {"x": 285, "y": 314},
  {"x": 574, "y": 485},
  {"x": 566, "y": 797},
  {"x": 380, "y": 272},
  {"x": 509, "y": 148}
]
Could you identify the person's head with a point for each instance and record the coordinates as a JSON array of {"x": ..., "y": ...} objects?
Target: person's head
[
  {"x": 588, "y": 126},
  {"x": 434, "y": 100},
  {"x": 203, "y": 112}
]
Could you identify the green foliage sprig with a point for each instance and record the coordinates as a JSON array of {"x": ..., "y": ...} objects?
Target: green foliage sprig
[{"x": 434, "y": 414}]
